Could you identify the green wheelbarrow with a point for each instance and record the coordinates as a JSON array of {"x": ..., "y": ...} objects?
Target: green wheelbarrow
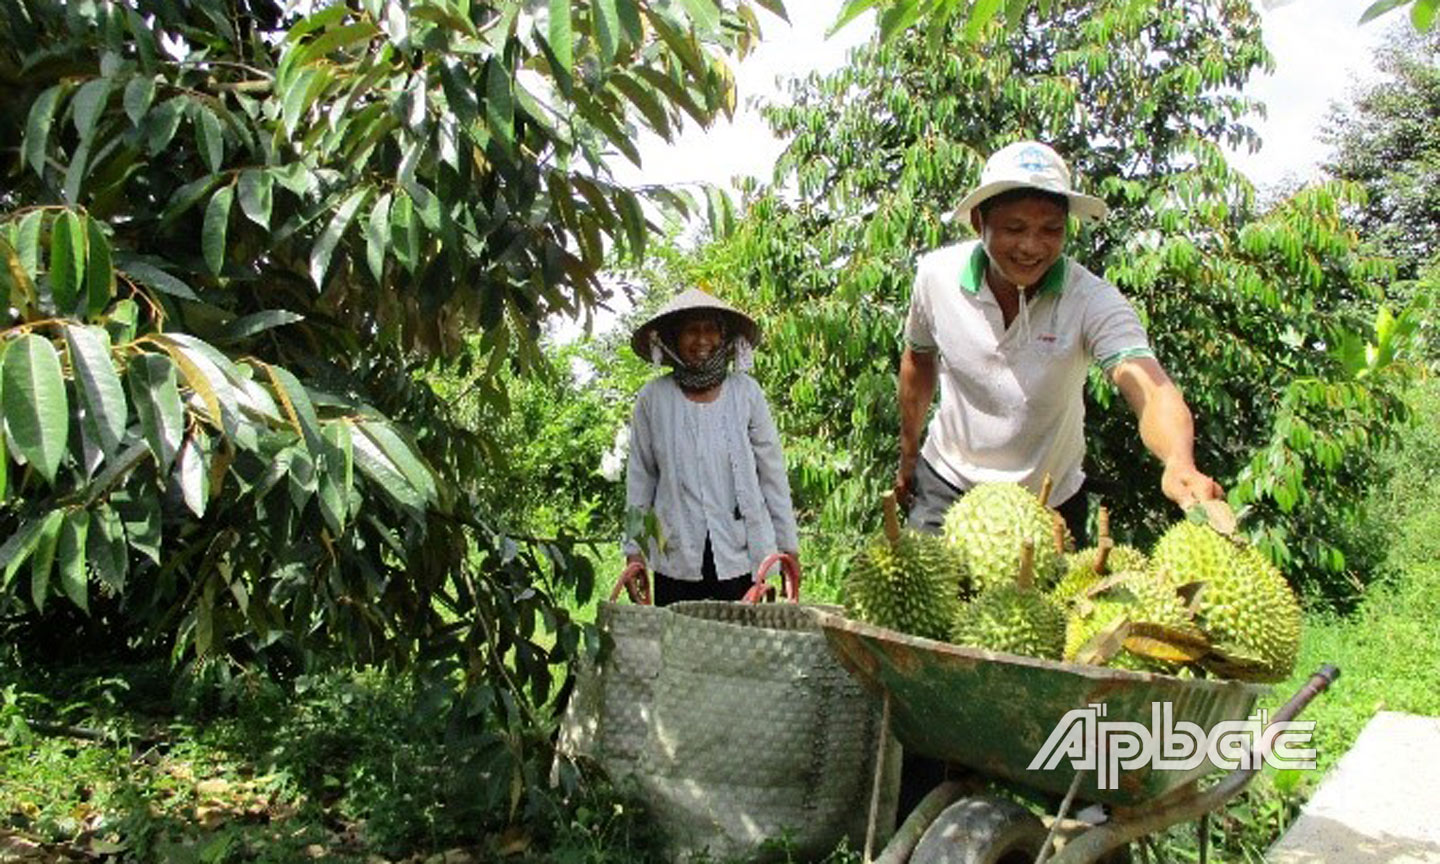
[{"x": 1137, "y": 743}]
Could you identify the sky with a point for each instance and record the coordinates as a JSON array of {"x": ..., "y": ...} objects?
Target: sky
[{"x": 1319, "y": 49}]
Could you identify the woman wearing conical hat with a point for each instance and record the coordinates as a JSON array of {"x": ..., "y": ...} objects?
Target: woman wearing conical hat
[{"x": 705, "y": 455}]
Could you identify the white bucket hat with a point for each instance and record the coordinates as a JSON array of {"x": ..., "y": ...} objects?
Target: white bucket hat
[
  {"x": 1032, "y": 165},
  {"x": 694, "y": 298}
]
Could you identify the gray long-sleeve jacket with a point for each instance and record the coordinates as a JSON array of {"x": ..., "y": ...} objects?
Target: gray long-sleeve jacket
[{"x": 713, "y": 467}]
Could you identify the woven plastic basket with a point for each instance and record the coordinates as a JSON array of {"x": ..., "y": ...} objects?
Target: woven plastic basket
[{"x": 756, "y": 733}]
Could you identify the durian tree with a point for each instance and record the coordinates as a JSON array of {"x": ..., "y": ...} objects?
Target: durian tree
[
  {"x": 1262, "y": 315},
  {"x": 239, "y": 240}
]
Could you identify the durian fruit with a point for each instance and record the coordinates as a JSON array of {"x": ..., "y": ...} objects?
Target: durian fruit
[
  {"x": 1087, "y": 567},
  {"x": 905, "y": 580},
  {"x": 1145, "y": 625},
  {"x": 989, "y": 522},
  {"x": 1240, "y": 600},
  {"x": 1013, "y": 617}
]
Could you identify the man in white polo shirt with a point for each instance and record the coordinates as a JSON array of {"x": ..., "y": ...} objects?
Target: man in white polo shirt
[{"x": 1008, "y": 326}]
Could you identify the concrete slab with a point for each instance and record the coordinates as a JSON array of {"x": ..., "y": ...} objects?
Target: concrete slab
[{"x": 1380, "y": 804}]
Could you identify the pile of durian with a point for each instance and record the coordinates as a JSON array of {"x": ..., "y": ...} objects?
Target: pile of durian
[{"x": 999, "y": 577}]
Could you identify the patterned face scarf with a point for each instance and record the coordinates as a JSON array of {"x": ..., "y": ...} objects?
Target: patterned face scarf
[{"x": 710, "y": 372}]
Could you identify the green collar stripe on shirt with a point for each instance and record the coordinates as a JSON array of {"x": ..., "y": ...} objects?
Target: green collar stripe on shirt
[{"x": 972, "y": 275}]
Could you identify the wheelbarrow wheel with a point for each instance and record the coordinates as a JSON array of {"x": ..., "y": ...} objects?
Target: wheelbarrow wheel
[{"x": 981, "y": 830}]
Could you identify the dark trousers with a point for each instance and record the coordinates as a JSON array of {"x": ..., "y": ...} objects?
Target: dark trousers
[{"x": 710, "y": 586}]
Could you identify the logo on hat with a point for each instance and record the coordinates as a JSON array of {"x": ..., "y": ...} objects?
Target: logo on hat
[{"x": 1032, "y": 159}]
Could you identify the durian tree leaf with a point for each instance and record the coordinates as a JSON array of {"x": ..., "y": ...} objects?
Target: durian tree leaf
[
  {"x": 67, "y": 261},
  {"x": 70, "y": 557},
  {"x": 191, "y": 474},
  {"x": 215, "y": 229},
  {"x": 100, "y": 390},
  {"x": 295, "y": 401},
  {"x": 42, "y": 558},
  {"x": 36, "y": 407},
  {"x": 256, "y": 195},
  {"x": 16, "y": 550},
  {"x": 1105, "y": 644},
  {"x": 16, "y": 288},
  {"x": 99, "y": 270},
  {"x": 155, "y": 389},
  {"x": 154, "y": 278},
  {"x": 403, "y": 455},
  {"x": 105, "y": 547}
]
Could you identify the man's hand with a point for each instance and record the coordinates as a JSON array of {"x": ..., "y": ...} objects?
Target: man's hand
[
  {"x": 904, "y": 486},
  {"x": 1186, "y": 486}
]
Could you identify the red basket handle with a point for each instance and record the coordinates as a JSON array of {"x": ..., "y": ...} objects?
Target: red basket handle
[
  {"x": 636, "y": 583},
  {"x": 789, "y": 579}
]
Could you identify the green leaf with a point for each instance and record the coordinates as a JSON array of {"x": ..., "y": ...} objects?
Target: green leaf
[
  {"x": 373, "y": 463},
  {"x": 17, "y": 548},
  {"x": 499, "y": 102},
  {"x": 777, "y": 7},
  {"x": 849, "y": 12},
  {"x": 71, "y": 557},
  {"x": 209, "y": 136},
  {"x": 37, "y": 410},
  {"x": 141, "y": 518},
  {"x": 99, "y": 385},
  {"x": 67, "y": 261},
  {"x": 297, "y": 406},
  {"x": 560, "y": 35},
  {"x": 75, "y": 173},
  {"x": 256, "y": 196},
  {"x": 153, "y": 277},
  {"x": 155, "y": 390},
  {"x": 105, "y": 547},
  {"x": 16, "y": 289},
  {"x": 377, "y": 237},
  {"x": 1422, "y": 14},
  {"x": 88, "y": 106},
  {"x": 37, "y": 128},
  {"x": 330, "y": 237},
  {"x": 192, "y": 474},
  {"x": 217, "y": 223},
  {"x": 161, "y": 123},
  {"x": 605, "y": 27},
  {"x": 257, "y": 322},
  {"x": 27, "y": 243},
  {"x": 42, "y": 558},
  {"x": 99, "y": 269},
  {"x": 981, "y": 14},
  {"x": 703, "y": 14},
  {"x": 402, "y": 454},
  {"x": 337, "y": 476},
  {"x": 139, "y": 93},
  {"x": 1378, "y": 8},
  {"x": 204, "y": 377},
  {"x": 405, "y": 233}
]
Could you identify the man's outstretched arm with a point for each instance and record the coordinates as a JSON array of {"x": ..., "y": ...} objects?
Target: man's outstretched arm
[{"x": 1167, "y": 428}]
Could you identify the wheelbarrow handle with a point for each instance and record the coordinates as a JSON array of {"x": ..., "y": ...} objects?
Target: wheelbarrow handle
[
  {"x": 789, "y": 578},
  {"x": 636, "y": 582}
]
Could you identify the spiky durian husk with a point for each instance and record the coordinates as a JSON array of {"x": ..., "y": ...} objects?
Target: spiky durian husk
[
  {"x": 1138, "y": 596},
  {"x": 1014, "y": 620},
  {"x": 988, "y": 524},
  {"x": 1191, "y": 552},
  {"x": 1252, "y": 619},
  {"x": 1080, "y": 572},
  {"x": 913, "y": 585},
  {"x": 1243, "y": 604}
]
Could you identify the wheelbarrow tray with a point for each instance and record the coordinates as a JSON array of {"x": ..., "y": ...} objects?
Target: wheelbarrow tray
[{"x": 993, "y": 712}]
